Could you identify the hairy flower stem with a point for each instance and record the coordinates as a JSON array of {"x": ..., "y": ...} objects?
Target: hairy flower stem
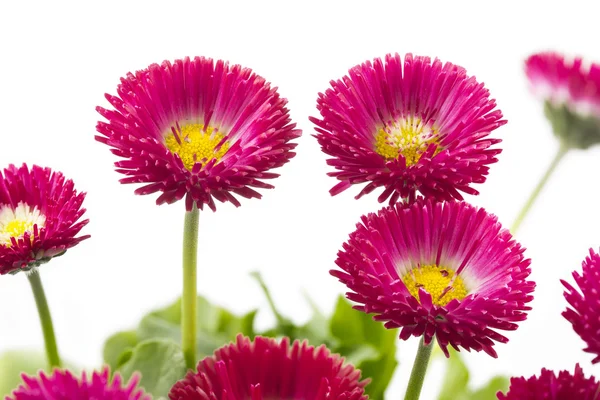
[
  {"x": 419, "y": 369},
  {"x": 190, "y": 291},
  {"x": 45, "y": 318}
]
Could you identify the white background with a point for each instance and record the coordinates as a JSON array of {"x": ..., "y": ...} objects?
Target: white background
[{"x": 57, "y": 60}]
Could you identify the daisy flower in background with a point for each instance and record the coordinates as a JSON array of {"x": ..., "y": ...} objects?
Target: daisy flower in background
[
  {"x": 63, "y": 385},
  {"x": 198, "y": 129},
  {"x": 570, "y": 89},
  {"x": 443, "y": 270},
  {"x": 415, "y": 126},
  {"x": 584, "y": 302},
  {"x": 550, "y": 386},
  {"x": 40, "y": 214},
  {"x": 267, "y": 368}
]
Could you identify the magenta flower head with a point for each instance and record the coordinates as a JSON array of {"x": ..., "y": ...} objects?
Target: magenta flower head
[
  {"x": 63, "y": 385},
  {"x": 266, "y": 368},
  {"x": 39, "y": 217},
  {"x": 198, "y": 129},
  {"x": 549, "y": 386},
  {"x": 570, "y": 90},
  {"x": 447, "y": 270},
  {"x": 584, "y": 310},
  {"x": 418, "y": 125}
]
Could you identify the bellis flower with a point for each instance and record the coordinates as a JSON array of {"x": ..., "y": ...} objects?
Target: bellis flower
[
  {"x": 418, "y": 125},
  {"x": 197, "y": 128},
  {"x": 266, "y": 368},
  {"x": 40, "y": 215},
  {"x": 584, "y": 304},
  {"x": 63, "y": 385},
  {"x": 550, "y": 386},
  {"x": 443, "y": 270},
  {"x": 570, "y": 89}
]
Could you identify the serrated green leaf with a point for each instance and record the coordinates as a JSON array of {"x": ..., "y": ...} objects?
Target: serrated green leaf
[
  {"x": 160, "y": 362},
  {"x": 489, "y": 390},
  {"x": 14, "y": 363},
  {"x": 116, "y": 345},
  {"x": 346, "y": 324},
  {"x": 456, "y": 381}
]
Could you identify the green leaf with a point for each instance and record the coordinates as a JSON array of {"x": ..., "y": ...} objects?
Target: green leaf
[
  {"x": 14, "y": 363},
  {"x": 380, "y": 371},
  {"x": 118, "y": 344},
  {"x": 357, "y": 354},
  {"x": 346, "y": 324},
  {"x": 488, "y": 391},
  {"x": 356, "y": 332},
  {"x": 456, "y": 380},
  {"x": 160, "y": 362}
]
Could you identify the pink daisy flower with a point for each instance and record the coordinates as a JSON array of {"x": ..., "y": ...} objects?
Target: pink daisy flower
[
  {"x": 197, "y": 129},
  {"x": 583, "y": 312},
  {"x": 415, "y": 126},
  {"x": 447, "y": 270},
  {"x": 570, "y": 89},
  {"x": 268, "y": 369},
  {"x": 549, "y": 386},
  {"x": 63, "y": 385},
  {"x": 39, "y": 217}
]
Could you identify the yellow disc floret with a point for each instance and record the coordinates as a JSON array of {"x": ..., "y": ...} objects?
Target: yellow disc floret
[
  {"x": 441, "y": 283},
  {"x": 14, "y": 223},
  {"x": 195, "y": 144},
  {"x": 409, "y": 137}
]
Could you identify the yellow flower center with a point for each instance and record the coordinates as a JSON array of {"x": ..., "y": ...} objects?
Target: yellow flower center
[
  {"x": 408, "y": 136},
  {"x": 441, "y": 283},
  {"x": 14, "y": 223},
  {"x": 194, "y": 144}
]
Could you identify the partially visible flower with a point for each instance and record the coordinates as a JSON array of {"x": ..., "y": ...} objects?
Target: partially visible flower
[
  {"x": 570, "y": 89},
  {"x": 270, "y": 369},
  {"x": 415, "y": 126},
  {"x": 197, "y": 129},
  {"x": 584, "y": 310},
  {"x": 549, "y": 386},
  {"x": 39, "y": 217},
  {"x": 447, "y": 270},
  {"x": 63, "y": 385}
]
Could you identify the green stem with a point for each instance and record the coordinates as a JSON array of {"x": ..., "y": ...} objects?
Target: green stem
[
  {"x": 419, "y": 369},
  {"x": 45, "y": 319},
  {"x": 190, "y": 291},
  {"x": 562, "y": 150},
  {"x": 281, "y": 320}
]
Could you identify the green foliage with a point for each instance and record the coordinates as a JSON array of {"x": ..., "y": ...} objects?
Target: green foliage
[
  {"x": 456, "y": 382},
  {"x": 216, "y": 326},
  {"x": 153, "y": 348}
]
